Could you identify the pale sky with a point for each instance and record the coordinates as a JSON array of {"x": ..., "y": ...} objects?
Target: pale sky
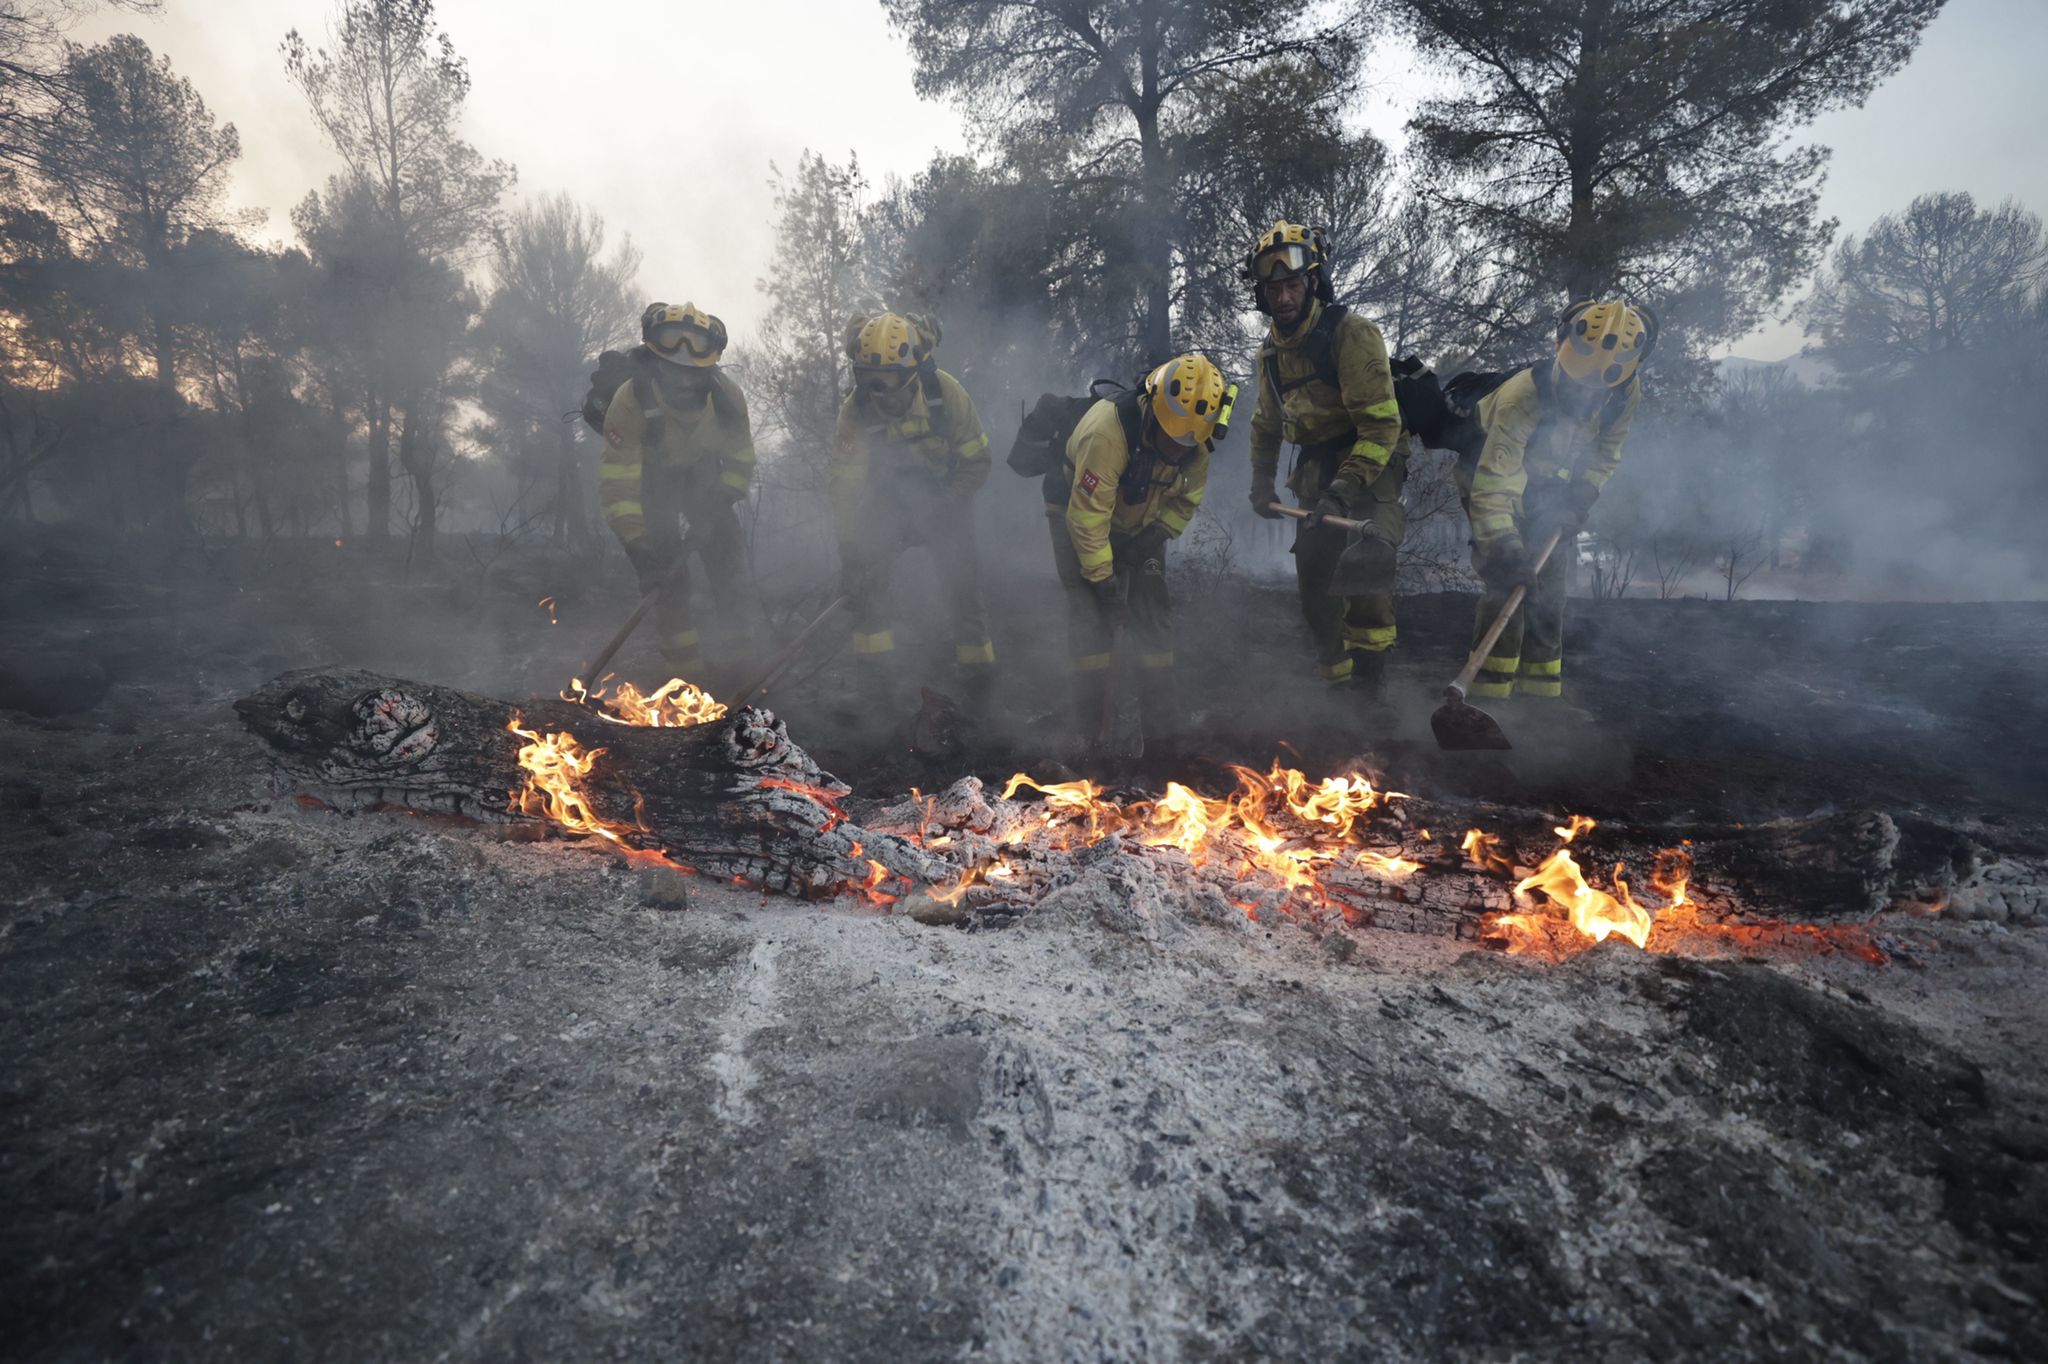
[{"x": 663, "y": 115}]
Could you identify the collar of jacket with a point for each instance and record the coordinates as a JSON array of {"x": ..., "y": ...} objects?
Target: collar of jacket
[{"x": 1290, "y": 340}]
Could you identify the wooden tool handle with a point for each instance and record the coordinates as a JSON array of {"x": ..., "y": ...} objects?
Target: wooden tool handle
[
  {"x": 1303, "y": 514},
  {"x": 1484, "y": 649},
  {"x": 781, "y": 661},
  {"x": 594, "y": 669}
]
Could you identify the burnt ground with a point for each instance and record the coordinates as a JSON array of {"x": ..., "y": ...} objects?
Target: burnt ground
[{"x": 281, "y": 1083}]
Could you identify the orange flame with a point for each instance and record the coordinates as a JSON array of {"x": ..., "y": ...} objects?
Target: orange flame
[
  {"x": 675, "y": 704},
  {"x": 1579, "y": 824},
  {"x": 1484, "y": 850},
  {"x": 1247, "y": 825},
  {"x": 1594, "y": 912},
  {"x": 555, "y": 766}
]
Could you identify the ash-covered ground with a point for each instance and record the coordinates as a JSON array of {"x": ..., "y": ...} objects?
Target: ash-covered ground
[{"x": 286, "y": 1084}]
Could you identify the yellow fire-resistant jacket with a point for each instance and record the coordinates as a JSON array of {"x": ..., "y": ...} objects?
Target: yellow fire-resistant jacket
[
  {"x": 1097, "y": 456},
  {"x": 1312, "y": 412},
  {"x": 891, "y": 452},
  {"x": 692, "y": 434},
  {"x": 1528, "y": 438}
]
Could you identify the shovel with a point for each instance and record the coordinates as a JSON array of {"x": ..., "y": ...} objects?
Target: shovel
[
  {"x": 1457, "y": 723},
  {"x": 1365, "y": 568},
  {"x": 780, "y": 664}
]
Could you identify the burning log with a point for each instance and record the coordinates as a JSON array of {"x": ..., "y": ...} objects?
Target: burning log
[
  {"x": 673, "y": 775},
  {"x": 731, "y": 798}
]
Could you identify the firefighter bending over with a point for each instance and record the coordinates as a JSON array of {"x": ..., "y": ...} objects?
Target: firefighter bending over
[
  {"x": 907, "y": 459},
  {"x": 1326, "y": 388},
  {"x": 678, "y": 448},
  {"x": 1554, "y": 434},
  {"x": 1135, "y": 471}
]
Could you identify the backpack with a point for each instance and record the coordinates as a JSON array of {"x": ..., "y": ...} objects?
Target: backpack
[
  {"x": 1447, "y": 417},
  {"x": 638, "y": 367},
  {"x": 1041, "y": 444}
]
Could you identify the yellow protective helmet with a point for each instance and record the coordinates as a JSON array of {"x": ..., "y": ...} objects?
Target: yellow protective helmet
[
  {"x": 888, "y": 352},
  {"x": 1284, "y": 251},
  {"x": 1189, "y": 399},
  {"x": 1603, "y": 344},
  {"x": 682, "y": 333}
]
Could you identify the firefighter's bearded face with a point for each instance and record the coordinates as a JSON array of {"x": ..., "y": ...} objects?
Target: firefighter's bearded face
[{"x": 1287, "y": 299}]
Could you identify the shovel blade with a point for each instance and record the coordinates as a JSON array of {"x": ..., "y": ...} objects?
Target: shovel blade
[
  {"x": 1462, "y": 727},
  {"x": 1364, "y": 569}
]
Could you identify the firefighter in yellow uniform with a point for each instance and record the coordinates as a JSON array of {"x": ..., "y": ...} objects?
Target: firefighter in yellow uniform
[
  {"x": 678, "y": 446},
  {"x": 907, "y": 459},
  {"x": 1325, "y": 387},
  {"x": 1554, "y": 434},
  {"x": 1135, "y": 472}
]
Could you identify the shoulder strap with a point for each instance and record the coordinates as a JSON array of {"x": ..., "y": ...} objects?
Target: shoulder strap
[
  {"x": 723, "y": 404},
  {"x": 1136, "y": 483},
  {"x": 1323, "y": 343},
  {"x": 1322, "y": 353}
]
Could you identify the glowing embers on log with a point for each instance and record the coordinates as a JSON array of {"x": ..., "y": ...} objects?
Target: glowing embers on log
[
  {"x": 1245, "y": 830},
  {"x": 675, "y": 704}
]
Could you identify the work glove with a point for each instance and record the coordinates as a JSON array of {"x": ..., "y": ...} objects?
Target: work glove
[
  {"x": 1109, "y": 600},
  {"x": 1345, "y": 497},
  {"x": 1564, "y": 511},
  {"x": 1265, "y": 494},
  {"x": 651, "y": 564},
  {"x": 856, "y": 578},
  {"x": 1149, "y": 545},
  {"x": 1506, "y": 565}
]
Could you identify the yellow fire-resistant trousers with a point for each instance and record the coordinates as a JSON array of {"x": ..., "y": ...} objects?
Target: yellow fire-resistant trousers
[
  {"x": 1528, "y": 658},
  {"x": 1341, "y": 627},
  {"x": 673, "y": 495},
  {"x": 886, "y": 527}
]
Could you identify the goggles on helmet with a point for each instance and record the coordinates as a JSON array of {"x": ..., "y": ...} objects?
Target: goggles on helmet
[
  {"x": 1282, "y": 262},
  {"x": 670, "y": 337}
]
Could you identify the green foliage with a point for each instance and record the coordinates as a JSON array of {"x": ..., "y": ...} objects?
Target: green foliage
[
  {"x": 794, "y": 372},
  {"x": 557, "y": 299},
  {"x": 1113, "y": 101},
  {"x": 1597, "y": 146}
]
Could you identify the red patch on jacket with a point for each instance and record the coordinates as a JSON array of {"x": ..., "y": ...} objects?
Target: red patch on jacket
[{"x": 1090, "y": 481}]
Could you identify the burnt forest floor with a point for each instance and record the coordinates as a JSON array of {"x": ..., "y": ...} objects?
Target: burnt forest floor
[{"x": 280, "y": 1083}]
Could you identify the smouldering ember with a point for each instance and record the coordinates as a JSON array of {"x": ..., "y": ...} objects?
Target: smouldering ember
[{"x": 675, "y": 704}]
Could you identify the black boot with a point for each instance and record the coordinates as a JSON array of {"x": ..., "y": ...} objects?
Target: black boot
[
  {"x": 1091, "y": 693},
  {"x": 1159, "y": 714},
  {"x": 1369, "y": 674}
]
